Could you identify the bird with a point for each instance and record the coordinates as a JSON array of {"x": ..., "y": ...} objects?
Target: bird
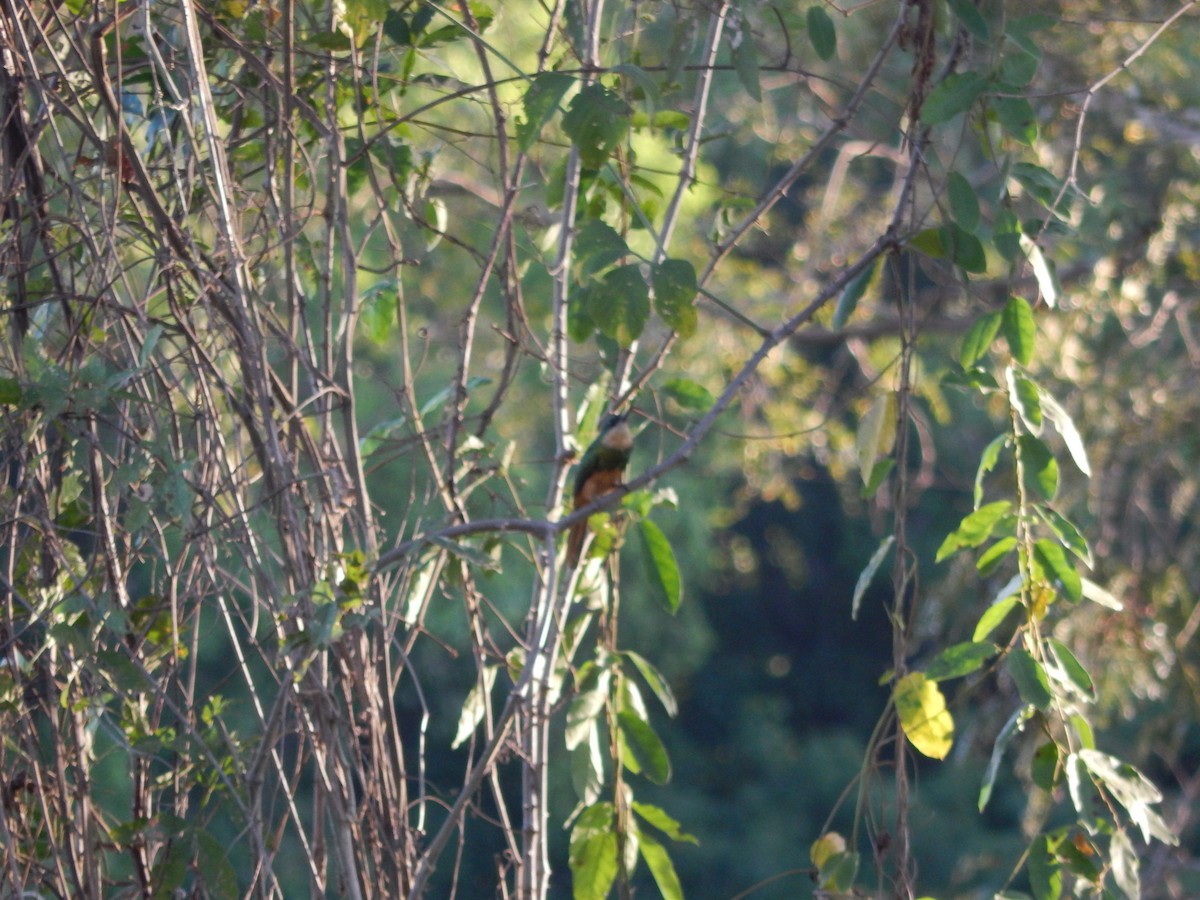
[{"x": 600, "y": 472}]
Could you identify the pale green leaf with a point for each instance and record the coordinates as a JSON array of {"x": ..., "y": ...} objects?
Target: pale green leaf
[
  {"x": 964, "y": 203},
  {"x": 868, "y": 572},
  {"x": 475, "y": 706},
  {"x": 989, "y": 775},
  {"x": 876, "y": 433}
]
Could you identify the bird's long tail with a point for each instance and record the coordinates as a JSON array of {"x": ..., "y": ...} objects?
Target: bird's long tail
[{"x": 575, "y": 542}]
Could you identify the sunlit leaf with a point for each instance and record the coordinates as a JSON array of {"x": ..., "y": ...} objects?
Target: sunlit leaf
[
  {"x": 926, "y": 721},
  {"x": 1126, "y": 865},
  {"x": 1023, "y": 394},
  {"x": 661, "y": 868},
  {"x": 975, "y": 528},
  {"x": 655, "y": 681},
  {"x": 663, "y": 822},
  {"x": 1065, "y": 426},
  {"x": 876, "y": 433},
  {"x": 868, "y": 572},
  {"x": 474, "y": 708},
  {"x": 593, "y": 853},
  {"x": 987, "y": 462},
  {"x": 689, "y": 394},
  {"x": 1045, "y": 875}
]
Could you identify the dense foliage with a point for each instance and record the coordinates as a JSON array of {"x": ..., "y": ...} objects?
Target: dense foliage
[{"x": 311, "y": 309}]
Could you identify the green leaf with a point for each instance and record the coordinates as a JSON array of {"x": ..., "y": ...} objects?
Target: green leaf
[
  {"x": 991, "y": 558},
  {"x": 660, "y": 865},
  {"x": 474, "y": 707},
  {"x": 667, "y": 582},
  {"x": 964, "y": 203},
  {"x": 646, "y": 747},
  {"x": 1058, "y": 566},
  {"x": 1038, "y": 182},
  {"x": 1084, "y": 795},
  {"x": 868, "y": 572},
  {"x": 1044, "y": 766},
  {"x": 1041, "y": 468},
  {"x": 596, "y": 121},
  {"x": 663, "y": 822},
  {"x": 593, "y": 853},
  {"x": 620, "y": 304},
  {"x": 978, "y": 339},
  {"x": 923, "y": 715},
  {"x": 215, "y": 871},
  {"x": 974, "y": 529},
  {"x": 10, "y": 391},
  {"x": 928, "y": 242},
  {"x": 852, "y": 293},
  {"x": 1006, "y": 234},
  {"x": 1030, "y": 678},
  {"x": 953, "y": 96},
  {"x": 821, "y": 32},
  {"x": 655, "y": 681},
  {"x": 1016, "y": 116},
  {"x": 674, "y": 282},
  {"x": 837, "y": 873},
  {"x": 597, "y": 246},
  {"x": 468, "y": 554},
  {"x": 1019, "y": 329},
  {"x": 689, "y": 394},
  {"x": 438, "y": 400},
  {"x": 970, "y": 17},
  {"x": 993, "y": 766},
  {"x": 1045, "y": 876},
  {"x": 879, "y": 474},
  {"x": 958, "y": 660},
  {"x": 587, "y": 768}
]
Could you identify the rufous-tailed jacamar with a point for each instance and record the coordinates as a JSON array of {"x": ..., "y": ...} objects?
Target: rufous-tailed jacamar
[{"x": 600, "y": 472}]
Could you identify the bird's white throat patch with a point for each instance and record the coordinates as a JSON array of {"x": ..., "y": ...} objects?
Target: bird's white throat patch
[{"x": 619, "y": 437}]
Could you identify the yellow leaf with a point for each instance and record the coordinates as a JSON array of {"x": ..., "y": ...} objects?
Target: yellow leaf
[
  {"x": 923, "y": 715},
  {"x": 826, "y": 846}
]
